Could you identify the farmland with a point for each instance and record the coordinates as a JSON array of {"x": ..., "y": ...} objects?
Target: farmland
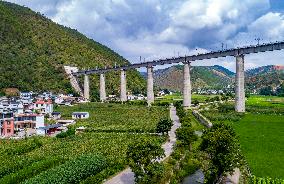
[
  {"x": 260, "y": 132},
  {"x": 178, "y": 96},
  {"x": 22, "y": 160},
  {"x": 117, "y": 117}
]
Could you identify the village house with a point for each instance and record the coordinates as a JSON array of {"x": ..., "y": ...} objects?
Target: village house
[
  {"x": 29, "y": 121},
  {"x": 43, "y": 107},
  {"x": 7, "y": 124},
  {"x": 80, "y": 115}
]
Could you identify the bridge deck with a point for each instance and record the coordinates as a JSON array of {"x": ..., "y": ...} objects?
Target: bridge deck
[{"x": 210, "y": 55}]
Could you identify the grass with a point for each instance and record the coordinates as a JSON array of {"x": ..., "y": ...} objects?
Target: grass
[
  {"x": 261, "y": 133},
  {"x": 262, "y": 142},
  {"x": 258, "y": 100},
  {"x": 16, "y": 155}
]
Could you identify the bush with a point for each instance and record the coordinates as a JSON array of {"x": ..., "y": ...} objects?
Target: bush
[
  {"x": 72, "y": 171},
  {"x": 165, "y": 104},
  {"x": 186, "y": 136},
  {"x": 185, "y": 121},
  {"x": 69, "y": 132},
  {"x": 142, "y": 158},
  {"x": 164, "y": 125}
]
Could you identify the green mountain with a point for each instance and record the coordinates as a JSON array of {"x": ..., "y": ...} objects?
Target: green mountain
[
  {"x": 213, "y": 77},
  {"x": 33, "y": 51},
  {"x": 265, "y": 76},
  {"x": 218, "y": 77}
]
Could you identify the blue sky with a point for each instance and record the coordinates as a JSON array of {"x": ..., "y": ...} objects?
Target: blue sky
[{"x": 165, "y": 28}]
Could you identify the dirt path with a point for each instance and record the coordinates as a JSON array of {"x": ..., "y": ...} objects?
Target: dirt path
[{"x": 127, "y": 176}]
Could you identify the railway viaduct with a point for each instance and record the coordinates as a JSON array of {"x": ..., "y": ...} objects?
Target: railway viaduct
[{"x": 238, "y": 53}]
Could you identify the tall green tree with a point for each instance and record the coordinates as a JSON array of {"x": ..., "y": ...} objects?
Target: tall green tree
[
  {"x": 220, "y": 144},
  {"x": 143, "y": 156}
]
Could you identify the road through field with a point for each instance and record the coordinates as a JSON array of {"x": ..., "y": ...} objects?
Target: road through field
[{"x": 127, "y": 176}]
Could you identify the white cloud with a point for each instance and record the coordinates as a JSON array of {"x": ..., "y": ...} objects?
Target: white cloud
[{"x": 162, "y": 28}]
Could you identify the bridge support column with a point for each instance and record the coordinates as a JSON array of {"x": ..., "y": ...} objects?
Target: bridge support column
[
  {"x": 150, "y": 86},
  {"x": 102, "y": 87},
  {"x": 186, "y": 86},
  {"x": 86, "y": 87},
  {"x": 240, "y": 85},
  {"x": 123, "y": 96}
]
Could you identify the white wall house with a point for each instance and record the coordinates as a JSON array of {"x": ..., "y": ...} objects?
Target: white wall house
[
  {"x": 29, "y": 121},
  {"x": 44, "y": 107},
  {"x": 80, "y": 115}
]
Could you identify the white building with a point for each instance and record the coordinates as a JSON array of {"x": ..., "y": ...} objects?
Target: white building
[
  {"x": 80, "y": 115},
  {"x": 43, "y": 107},
  {"x": 29, "y": 121}
]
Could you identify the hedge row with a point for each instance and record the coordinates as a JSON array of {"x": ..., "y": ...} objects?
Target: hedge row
[{"x": 72, "y": 171}]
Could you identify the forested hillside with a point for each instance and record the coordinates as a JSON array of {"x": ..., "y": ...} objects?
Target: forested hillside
[
  {"x": 218, "y": 77},
  {"x": 33, "y": 51}
]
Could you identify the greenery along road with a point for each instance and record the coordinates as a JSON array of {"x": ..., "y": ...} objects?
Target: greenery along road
[
  {"x": 21, "y": 160},
  {"x": 261, "y": 133}
]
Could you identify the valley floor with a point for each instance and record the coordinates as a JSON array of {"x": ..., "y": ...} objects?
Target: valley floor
[{"x": 260, "y": 131}]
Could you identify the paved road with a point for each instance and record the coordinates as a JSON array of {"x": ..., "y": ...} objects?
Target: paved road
[{"x": 127, "y": 176}]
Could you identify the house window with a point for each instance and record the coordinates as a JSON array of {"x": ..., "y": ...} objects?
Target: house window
[
  {"x": 8, "y": 122},
  {"x": 8, "y": 131}
]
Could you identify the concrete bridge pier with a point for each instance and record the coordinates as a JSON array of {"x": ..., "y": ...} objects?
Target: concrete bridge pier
[
  {"x": 186, "y": 86},
  {"x": 102, "y": 88},
  {"x": 86, "y": 87},
  {"x": 150, "y": 85},
  {"x": 240, "y": 85},
  {"x": 123, "y": 96}
]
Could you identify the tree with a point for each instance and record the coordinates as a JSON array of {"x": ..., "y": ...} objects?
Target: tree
[
  {"x": 221, "y": 146},
  {"x": 186, "y": 136},
  {"x": 164, "y": 125},
  {"x": 143, "y": 156}
]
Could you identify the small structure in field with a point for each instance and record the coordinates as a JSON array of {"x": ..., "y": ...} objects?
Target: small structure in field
[
  {"x": 80, "y": 115},
  {"x": 49, "y": 129},
  {"x": 56, "y": 115}
]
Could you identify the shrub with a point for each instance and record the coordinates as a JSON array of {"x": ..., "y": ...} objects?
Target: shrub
[
  {"x": 69, "y": 132},
  {"x": 142, "y": 157},
  {"x": 164, "y": 125},
  {"x": 186, "y": 136},
  {"x": 72, "y": 171},
  {"x": 221, "y": 145},
  {"x": 165, "y": 104}
]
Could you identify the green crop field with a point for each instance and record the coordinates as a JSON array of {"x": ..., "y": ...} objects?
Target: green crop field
[
  {"x": 178, "y": 96},
  {"x": 260, "y": 131},
  {"x": 117, "y": 117},
  {"x": 36, "y": 158}
]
